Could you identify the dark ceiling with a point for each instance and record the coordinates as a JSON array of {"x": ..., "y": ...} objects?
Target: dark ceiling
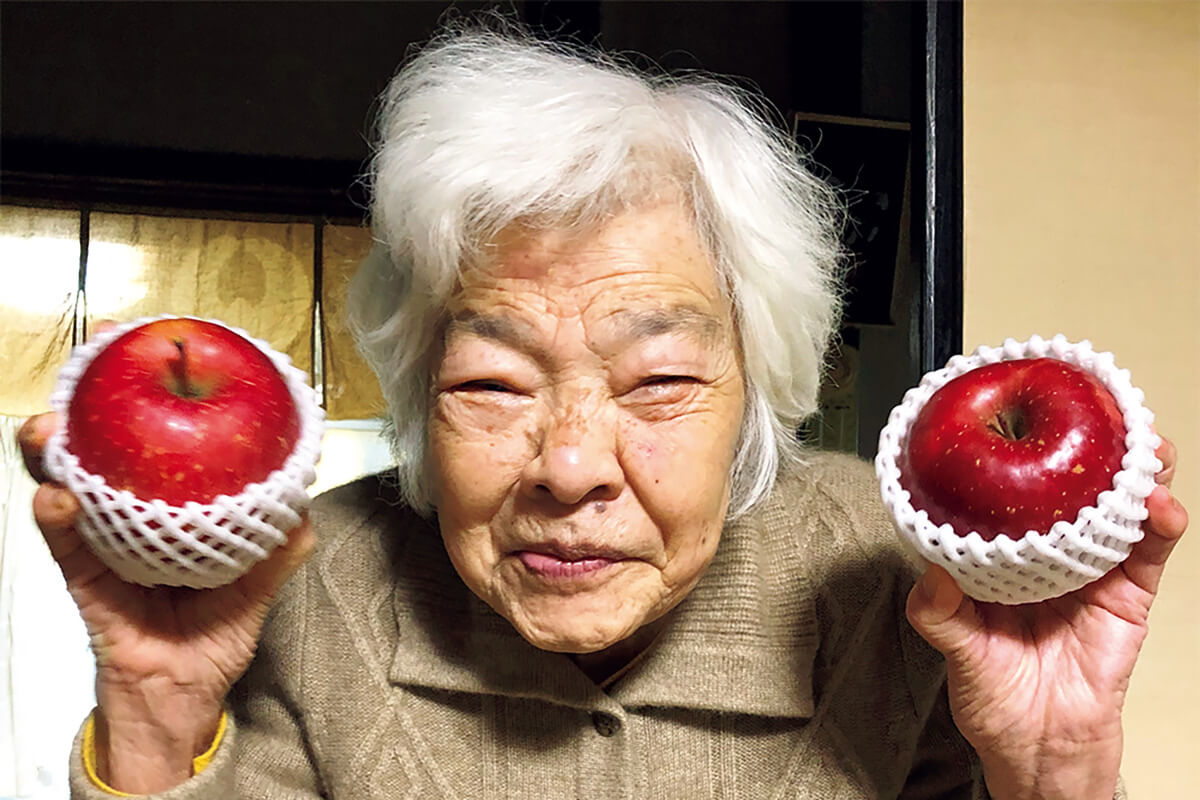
[{"x": 281, "y": 93}]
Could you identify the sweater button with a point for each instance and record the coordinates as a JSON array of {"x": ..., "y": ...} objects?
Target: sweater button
[{"x": 605, "y": 724}]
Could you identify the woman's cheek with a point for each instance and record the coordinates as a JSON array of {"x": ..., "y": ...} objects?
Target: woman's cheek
[
  {"x": 657, "y": 461},
  {"x": 676, "y": 438},
  {"x": 681, "y": 481},
  {"x": 639, "y": 447},
  {"x": 679, "y": 463},
  {"x": 478, "y": 451}
]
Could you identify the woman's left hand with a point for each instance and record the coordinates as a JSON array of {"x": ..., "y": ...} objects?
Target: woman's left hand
[{"x": 1038, "y": 689}]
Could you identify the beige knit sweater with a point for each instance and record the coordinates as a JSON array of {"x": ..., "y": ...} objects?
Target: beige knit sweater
[{"x": 789, "y": 672}]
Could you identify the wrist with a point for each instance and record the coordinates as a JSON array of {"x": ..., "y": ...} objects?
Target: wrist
[
  {"x": 147, "y": 735},
  {"x": 1049, "y": 779}
]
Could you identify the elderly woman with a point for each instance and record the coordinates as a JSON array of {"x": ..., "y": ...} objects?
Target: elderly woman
[{"x": 598, "y": 311}]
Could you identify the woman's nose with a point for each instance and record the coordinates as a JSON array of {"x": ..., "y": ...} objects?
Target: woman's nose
[{"x": 577, "y": 461}]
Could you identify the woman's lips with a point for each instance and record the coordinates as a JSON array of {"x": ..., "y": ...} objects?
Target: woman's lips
[{"x": 551, "y": 566}]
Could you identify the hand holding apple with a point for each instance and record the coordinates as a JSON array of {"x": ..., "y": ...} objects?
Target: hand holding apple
[
  {"x": 1038, "y": 689},
  {"x": 159, "y": 400},
  {"x": 165, "y": 656},
  {"x": 189, "y": 447}
]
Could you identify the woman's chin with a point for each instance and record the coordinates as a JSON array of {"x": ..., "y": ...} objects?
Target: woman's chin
[{"x": 573, "y": 635}]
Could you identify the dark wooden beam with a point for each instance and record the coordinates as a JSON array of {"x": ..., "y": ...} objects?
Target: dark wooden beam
[{"x": 940, "y": 192}]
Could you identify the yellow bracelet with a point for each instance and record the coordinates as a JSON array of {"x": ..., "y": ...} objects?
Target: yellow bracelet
[{"x": 199, "y": 763}]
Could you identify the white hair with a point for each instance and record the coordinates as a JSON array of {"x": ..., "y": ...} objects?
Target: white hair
[{"x": 485, "y": 128}]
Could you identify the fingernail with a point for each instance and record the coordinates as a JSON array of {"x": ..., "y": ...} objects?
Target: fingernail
[{"x": 64, "y": 502}]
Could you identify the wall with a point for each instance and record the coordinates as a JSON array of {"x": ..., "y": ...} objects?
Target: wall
[{"x": 1082, "y": 197}]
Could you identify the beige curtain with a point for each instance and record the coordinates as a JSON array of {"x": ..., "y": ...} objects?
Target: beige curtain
[
  {"x": 253, "y": 275},
  {"x": 39, "y": 268},
  {"x": 351, "y": 390}
]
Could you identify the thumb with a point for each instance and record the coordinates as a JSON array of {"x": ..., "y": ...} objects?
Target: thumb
[{"x": 940, "y": 612}]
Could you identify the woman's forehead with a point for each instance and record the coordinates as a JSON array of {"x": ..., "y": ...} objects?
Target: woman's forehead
[
  {"x": 635, "y": 267},
  {"x": 608, "y": 300},
  {"x": 641, "y": 275},
  {"x": 655, "y": 239}
]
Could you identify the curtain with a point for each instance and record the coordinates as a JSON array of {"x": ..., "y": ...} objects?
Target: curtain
[
  {"x": 39, "y": 268},
  {"x": 351, "y": 391}
]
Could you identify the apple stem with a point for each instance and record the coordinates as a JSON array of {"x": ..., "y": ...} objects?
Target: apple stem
[
  {"x": 1011, "y": 428},
  {"x": 180, "y": 368}
]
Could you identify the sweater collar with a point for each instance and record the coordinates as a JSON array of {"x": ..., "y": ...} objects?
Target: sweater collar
[{"x": 743, "y": 641}]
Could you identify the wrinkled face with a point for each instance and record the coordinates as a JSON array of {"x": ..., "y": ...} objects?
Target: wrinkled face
[{"x": 587, "y": 407}]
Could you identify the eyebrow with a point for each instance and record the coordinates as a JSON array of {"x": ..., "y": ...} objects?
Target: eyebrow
[
  {"x": 494, "y": 327},
  {"x": 645, "y": 324}
]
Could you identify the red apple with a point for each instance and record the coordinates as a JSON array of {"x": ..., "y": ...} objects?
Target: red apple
[
  {"x": 179, "y": 410},
  {"x": 1013, "y": 446}
]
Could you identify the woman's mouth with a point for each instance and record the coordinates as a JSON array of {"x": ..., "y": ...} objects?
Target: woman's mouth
[{"x": 552, "y": 566}]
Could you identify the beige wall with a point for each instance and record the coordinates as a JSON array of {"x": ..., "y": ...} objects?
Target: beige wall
[{"x": 1082, "y": 196}]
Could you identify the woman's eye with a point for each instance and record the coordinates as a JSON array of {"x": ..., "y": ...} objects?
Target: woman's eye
[
  {"x": 484, "y": 386},
  {"x": 666, "y": 385}
]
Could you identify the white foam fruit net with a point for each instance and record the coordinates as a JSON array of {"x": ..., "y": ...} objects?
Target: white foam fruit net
[
  {"x": 1039, "y": 565},
  {"x": 198, "y": 545}
]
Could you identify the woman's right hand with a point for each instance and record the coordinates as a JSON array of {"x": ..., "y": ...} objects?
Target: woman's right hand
[{"x": 165, "y": 657}]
